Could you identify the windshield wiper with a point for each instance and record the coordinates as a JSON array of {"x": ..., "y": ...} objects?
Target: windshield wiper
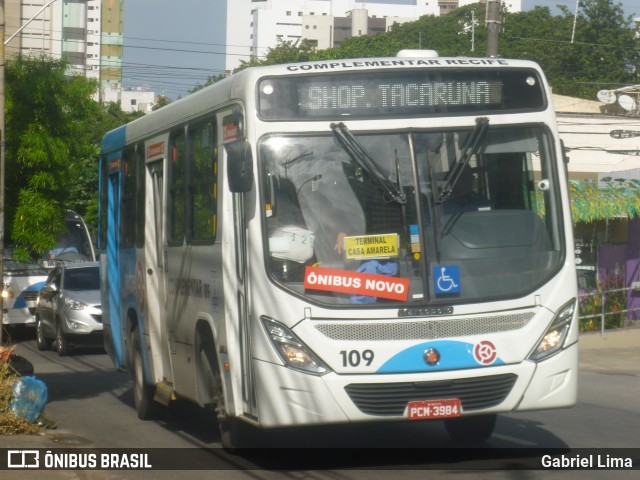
[
  {"x": 470, "y": 148},
  {"x": 356, "y": 151}
]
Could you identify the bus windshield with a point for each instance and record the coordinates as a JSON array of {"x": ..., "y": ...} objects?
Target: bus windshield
[
  {"x": 72, "y": 245},
  {"x": 474, "y": 224}
]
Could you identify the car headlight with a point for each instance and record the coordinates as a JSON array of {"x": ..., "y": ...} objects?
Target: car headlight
[
  {"x": 293, "y": 352},
  {"x": 74, "y": 304},
  {"x": 553, "y": 339}
]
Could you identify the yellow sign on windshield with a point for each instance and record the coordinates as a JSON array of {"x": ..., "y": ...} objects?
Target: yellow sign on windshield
[{"x": 371, "y": 246}]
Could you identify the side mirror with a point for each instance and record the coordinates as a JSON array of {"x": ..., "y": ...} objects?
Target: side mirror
[{"x": 239, "y": 166}]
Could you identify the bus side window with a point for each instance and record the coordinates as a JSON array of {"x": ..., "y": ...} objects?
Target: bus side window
[
  {"x": 177, "y": 186},
  {"x": 203, "y": 154}
]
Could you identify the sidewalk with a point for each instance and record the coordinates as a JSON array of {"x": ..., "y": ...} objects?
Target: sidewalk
[
  {"x": 615, "y": 339},
  {"x": 617, "y": 350}
]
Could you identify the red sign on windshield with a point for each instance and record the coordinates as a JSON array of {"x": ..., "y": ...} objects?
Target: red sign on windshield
[{"x": 355, "y": 283}]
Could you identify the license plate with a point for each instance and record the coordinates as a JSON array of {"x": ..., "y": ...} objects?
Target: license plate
[{"x": 432, "y": 409}]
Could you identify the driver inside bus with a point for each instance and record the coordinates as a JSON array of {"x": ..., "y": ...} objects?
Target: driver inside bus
[
  {"x": 331, "y": 210},
  {"x": 463, "y": 197}
]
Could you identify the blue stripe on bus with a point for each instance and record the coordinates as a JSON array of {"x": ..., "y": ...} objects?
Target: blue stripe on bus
[
  {"x": 453, "y": 356},
  {"x": 114, "y": 140},
  {"x": 20, "y": 301}
]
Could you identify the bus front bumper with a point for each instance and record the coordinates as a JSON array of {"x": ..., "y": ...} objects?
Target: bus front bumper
[{"x": 290, "y": 398}]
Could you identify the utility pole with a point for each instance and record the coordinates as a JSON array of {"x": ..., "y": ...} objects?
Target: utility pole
[
  {"x": 2, "y": 145},
  {"x": 575, "y": 19},
  {"x": 492, "y": 22},
  {"x": 473, "y": 30}
]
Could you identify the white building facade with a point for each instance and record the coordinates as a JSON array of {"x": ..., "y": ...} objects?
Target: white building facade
[
  {"x": 254, "y": 26},
  {"x": 88, "y": 34},
  {"x": 137, "y": 100}
]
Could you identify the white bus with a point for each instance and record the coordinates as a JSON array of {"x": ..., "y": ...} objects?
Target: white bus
[
  {"x": 382, "y": 239},
  {"x": 74, "y": 244},
  {"x": 20, "y": 288}
]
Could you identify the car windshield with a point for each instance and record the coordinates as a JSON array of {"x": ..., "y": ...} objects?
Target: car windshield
[
  {"x": 447, "y": 223},
  {"x": 78, "y": 279}
]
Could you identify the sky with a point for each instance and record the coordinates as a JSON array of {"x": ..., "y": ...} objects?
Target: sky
[{"x": 170, "y": 46}]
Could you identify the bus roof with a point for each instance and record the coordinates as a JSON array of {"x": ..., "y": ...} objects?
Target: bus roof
[{"x": 204, "y": 100}]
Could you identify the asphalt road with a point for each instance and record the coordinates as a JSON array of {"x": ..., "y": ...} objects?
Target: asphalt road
[{"x": 92, "y": 406}]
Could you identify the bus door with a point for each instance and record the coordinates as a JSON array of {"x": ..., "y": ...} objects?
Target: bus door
[
  {"x": 156, "y": 267},
  {"x": 113, "y": 324},
  {"x": 239, "y": 175}
]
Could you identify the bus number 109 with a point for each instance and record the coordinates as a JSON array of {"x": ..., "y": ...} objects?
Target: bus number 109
[{"x": 353, "y": 358}]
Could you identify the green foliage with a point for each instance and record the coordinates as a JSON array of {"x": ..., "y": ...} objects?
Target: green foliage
[
  {"x": 54, "y": 129},
  {"x": 283, "y": 52},
  {"x": 608, "y": 301},
  {"x": 164, "y": 101},
  {"x": 210, "y": 81},
  {"x": 604, "y": 53},
  {"x": 591, "y": 202}
]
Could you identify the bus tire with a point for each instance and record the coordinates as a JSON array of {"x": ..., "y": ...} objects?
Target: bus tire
[
  {"x": 63, "y": 345},
  {"x": 210, "y": 381},
  {"x": 146, "y": 407},
  {"x": 42, "y": 342},
  {"x": 471, "y": 430},
  {"x": 232, "y": 434}
]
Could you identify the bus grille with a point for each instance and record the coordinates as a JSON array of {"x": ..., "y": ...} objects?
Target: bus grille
[
  {"x": 392, "y": 398},
  {"x": 423, "y": 330}
]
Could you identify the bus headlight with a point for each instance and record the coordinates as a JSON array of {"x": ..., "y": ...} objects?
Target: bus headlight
[
  {"x": 554, "y": 337},
  {"x": 293, "y": 352}
]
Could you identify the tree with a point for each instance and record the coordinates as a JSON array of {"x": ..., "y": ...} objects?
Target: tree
[
  {"x": 54, "y": 129},
  {"x": 604, "y": 53},
  {"x": 283, "y": 52},
  {"x": 605, "y": 48},
  {"x": 210, "y": 81},
  {"x": 162, "y": 102}
]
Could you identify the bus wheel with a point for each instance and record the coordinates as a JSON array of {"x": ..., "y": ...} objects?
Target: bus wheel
[
  {"x": 210, "y": 381},
  {"x": 142, "y": 393},
  {"x": 42, "y": 343},
  {"x": 231, "y": 434},
  {"x": 63, "y": 345},
  {"x": 471, "y": 430}
]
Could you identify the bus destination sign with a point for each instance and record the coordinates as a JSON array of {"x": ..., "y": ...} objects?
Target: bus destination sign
[
  {"x": 399, "y": 93},
  {"x": 371, "y": 95}
]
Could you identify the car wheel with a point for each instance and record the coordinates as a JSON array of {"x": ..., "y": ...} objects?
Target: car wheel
[
  {"x": 42, "y": 343},
  {"x": 63, "y": 345},
  {"x": 143, "y": 393}
]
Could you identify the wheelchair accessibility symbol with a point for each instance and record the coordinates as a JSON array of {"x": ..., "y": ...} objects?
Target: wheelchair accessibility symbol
[{"x": 446, "y": 279}]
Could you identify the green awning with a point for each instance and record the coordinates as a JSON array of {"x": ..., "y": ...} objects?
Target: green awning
[{"x": 591, "y": 202}]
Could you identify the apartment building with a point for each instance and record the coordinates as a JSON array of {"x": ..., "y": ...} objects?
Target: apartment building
[
  {"x": 254, "y": 26},
  {"x": 86, "y": 33}
]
